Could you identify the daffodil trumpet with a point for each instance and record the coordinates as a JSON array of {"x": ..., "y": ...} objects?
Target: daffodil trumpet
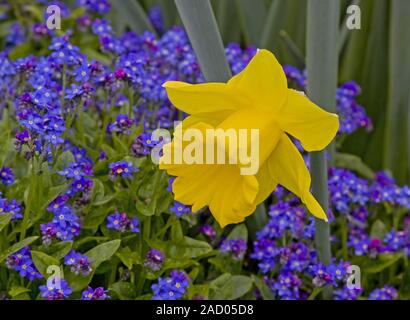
[{"x": 256, "y": 98}]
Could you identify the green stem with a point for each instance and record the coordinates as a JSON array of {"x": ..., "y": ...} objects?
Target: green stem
[
  {"x": 322, "y": 66},
  {"x": 31, "y": 191}
]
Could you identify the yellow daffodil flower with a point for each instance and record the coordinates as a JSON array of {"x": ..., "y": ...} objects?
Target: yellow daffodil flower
[{"x": 256, "y": 98}]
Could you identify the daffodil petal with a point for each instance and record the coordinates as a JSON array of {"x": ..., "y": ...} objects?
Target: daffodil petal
[
  {"x": 230, "y": 196},
  {"x": 262, "y": 123},
  {"x": 211, "y": 118},
  {"x": 301, "y": 118},
  {"x": 203, "y": 98},
  {"x": 267, "y": 184},
  {"x": 263, "y": 80},
  {"x": 288, "y": 168}
]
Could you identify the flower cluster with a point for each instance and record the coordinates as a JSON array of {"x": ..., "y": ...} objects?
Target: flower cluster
[
  {"x": 11, "y": 207},
  {"x": 179, "y": 209},
  {"x": 21, "y": 262},
  {"x": 170, "y": 288},
  {"x": 385, "y": 293},
  {"x": 80, "y": 264},
  {"x": 120, "y": 222},
  {"x": 7, "y": 176},
  {"x": 154, "y": 259},
  {"x": 65, "y": 224},
  {"x": 55, "y": 289},
  {"x": 78, "y": 173},
  {"x": 236, "y": 247},
  {"x": 122, "y": 169},
  {"x": 94, "y": 294}
]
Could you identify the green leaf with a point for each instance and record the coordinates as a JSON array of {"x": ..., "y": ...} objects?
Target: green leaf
[
  {"x": 94, "y": 54},
  {"x": 98, "y": 191},
  {"x": 263, "y": 288},
  {"x": 102, "y": 252},
  {"x": 63, "y": 160},
  {"x": 257, "y": 220},
  {"x": 21, "y": 51},
  {"x": 354, "y": 163},
  {"x": 202, "y": 29},
  {"x": 58, "y": 250},
  {"x": 322, "y": 67},
  {"x": 378, "y": 230},
  {"x": 273, "y": 24},
  {"x": 17, "y": 290},
  {"x": 198, "y": 290},
  {"x": 94, "y": 218},
  {"x": 239, "y": 232},
  {"x": 176, "y": 231},
  {"x": 16, "y": 247},
  {"x": 42, "y": 261},
  {"x": 97, "y": 255},
  {"x": 384, "y": 261},
  {"x": 227, "y": 18},
  {"x": 252, "y": 16},
  {"x": 124, "y": 290},
  {"x": 186, "y": 248},
  {"x": 397, "y": 155},
  {"x": 365, "y": 49},
  {"x": 5, "y": 218},
  {"x": 129, "y": 258},
  {"x": 152, "y": 189},
  {"x": 405, "y": 283},
  {"x": 134, "y": 15},
  {"x": 227, "y": 287}
]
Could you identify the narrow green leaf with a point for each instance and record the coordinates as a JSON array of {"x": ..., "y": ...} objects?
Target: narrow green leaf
[
  {"x": 263, "y": 288},
  {"x": 186, "y": 248},
  {"x": 57, "y": 250},
  {"x": 257, "y": 220},
  {"x": 97, "y": 255},
  {"x": 274, "y": 23},
  {"x": 202, "y": 29},
  {"x": 378, "y": 230},
  {"x": 169, "y": 13},
  {"x": 133, "y": 14},
  {"x": 124, "y": 290},
  {"x": 384, "y": 262},
  {"x": 344, "y": 31},
  {"x": 17, "y": 290},
  {"x": 16, "y": 247},
  {"x": 227, "y": 18},
  {"x": 396, "y": 153},
  {"x": 239, "y": 232},
  {"x": 297, "y": 56},
  {"x": 227, "y": 287},
  {"x": 252, "y": 16},
  {"x": 42, "y": 261},
  {"x": 354, "y": 163},
  {"x": 102, "y": 252},
  {"x": 322, "y": 66},
  {"x": 365, "y": 49},
  {"x": 5, "y": 218}
]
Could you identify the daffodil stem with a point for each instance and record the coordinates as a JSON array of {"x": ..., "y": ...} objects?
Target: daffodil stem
[{"x": 322, "y": 68}]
